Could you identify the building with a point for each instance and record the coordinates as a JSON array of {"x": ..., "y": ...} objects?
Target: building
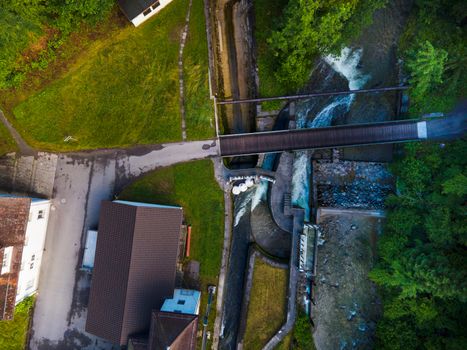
[
  {"x": 174, "y": 327},
  {"x": 138, "y": 11},
  {"x": 134, "y": 267},
  {"x": 184, "y": 301},
  {"x": 23, "y": 228}
]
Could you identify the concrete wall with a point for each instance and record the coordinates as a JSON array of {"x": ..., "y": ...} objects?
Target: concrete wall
[{"x": 31, "y": 175}]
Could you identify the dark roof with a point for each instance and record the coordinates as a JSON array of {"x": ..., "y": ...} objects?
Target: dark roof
[
  {"x": 14, "y": 214},
  {"x": 132, "y": 8},
  {"x": 174, "y": 330},
  {"x": 134, "y": 268},
  {"x": 328, "y": 137},
  {"x": 138, "y": 342}
]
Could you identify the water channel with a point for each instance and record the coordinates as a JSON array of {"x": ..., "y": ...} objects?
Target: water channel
[{"x": 251, "y": 212}]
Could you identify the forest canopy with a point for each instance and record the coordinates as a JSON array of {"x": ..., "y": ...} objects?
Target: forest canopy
[{"x": 422, "y": 269}]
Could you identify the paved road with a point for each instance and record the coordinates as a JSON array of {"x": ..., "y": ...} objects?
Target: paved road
[{"x": 82, "y": 180}]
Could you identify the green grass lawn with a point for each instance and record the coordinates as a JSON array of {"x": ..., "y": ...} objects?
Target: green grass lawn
[
  {"x": 13, "y": 333},
  {"x": 267, "y": 13},
  {"x": 199, "y": 110},
  {"x": 286, "y": 343},
  {"x": 267, "y": 307},
  {"x": 7, "y": 144},
  {"x": 193, "y": 187},
  {"x": 122, "y": 90}
]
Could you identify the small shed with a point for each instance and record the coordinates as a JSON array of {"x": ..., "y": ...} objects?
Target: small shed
[{"x": 138, "y": 11}]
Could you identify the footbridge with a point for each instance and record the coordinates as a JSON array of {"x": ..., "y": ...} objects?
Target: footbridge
[{"x": 343, "y": 136}]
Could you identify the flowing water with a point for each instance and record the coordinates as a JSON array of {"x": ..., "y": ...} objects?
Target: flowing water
[
  {"x": 310, "y": 114},
  {"x": 347, "y": 66}
]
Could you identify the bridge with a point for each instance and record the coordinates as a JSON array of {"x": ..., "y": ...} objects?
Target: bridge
[{"x": 452, "y": 126}]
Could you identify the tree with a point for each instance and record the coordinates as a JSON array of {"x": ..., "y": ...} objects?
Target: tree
[
  {"x": 426, "y": 67},
  {"x": 311, "y": 28}
]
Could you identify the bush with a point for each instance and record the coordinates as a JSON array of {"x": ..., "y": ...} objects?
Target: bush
[{"x": 22, "y": 23}]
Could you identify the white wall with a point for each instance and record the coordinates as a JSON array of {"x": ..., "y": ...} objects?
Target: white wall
[
  {"x": 33, "y": 249},
  {"x": 141, "y": 18}
]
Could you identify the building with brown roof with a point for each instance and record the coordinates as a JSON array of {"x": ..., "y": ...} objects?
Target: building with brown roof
[
  {"x": 171, "y": 330},
  {"x": 134, "y": 267},
  {"x": 23, "y": 228}
]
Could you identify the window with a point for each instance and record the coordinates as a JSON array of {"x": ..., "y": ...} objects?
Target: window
[
  {"x": 31, "y": 266},
  {"x": 6, "y": 261},
  {"x": 33, "y": 257},
  {"x": 147, "y": 11},
  {"x": 181, "y": 302},
  {"x": 41, "y": 214},
  {"x": 178, "y": 311},
  {"x": 155, "y": 5}
]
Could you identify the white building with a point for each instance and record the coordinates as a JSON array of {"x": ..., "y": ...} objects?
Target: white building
[
  {"x": 23, "y": 228},
  {"x": 138, "y": 11}
]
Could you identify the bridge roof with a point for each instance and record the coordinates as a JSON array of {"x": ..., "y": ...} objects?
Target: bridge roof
[{"x": 337, "y": 136}]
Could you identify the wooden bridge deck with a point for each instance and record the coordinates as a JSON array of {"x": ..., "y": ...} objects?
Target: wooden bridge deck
[{"x": 337, "y": 136}]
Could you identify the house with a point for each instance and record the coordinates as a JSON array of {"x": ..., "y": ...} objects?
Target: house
[
  {"x": 23, "y": 228},
  {"x": 138, "y": 11},
  {"x": 134, "y": 267},
  {"x": 173, "y": 327}
]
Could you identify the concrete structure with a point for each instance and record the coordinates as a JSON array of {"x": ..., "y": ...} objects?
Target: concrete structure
[
  {"x": 138, "y": 11},
  {"x": 23, "y": 228}
]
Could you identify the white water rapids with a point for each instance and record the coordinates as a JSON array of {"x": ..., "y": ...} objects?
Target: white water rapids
[{"x": 346, "y": 64}]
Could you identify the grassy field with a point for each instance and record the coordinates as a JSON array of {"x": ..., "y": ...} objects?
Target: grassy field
[
  {"x": 13, "y": 333},
  {"x": 199, "y": 110},
  {"x": 267, "y": 308},
  {"x": 286, "y": 343},
  {"x": 192, "y": 186},
  {"x": 7, "y": 144},
  {"x": 266, "y": 13},
  {"x": 121, "y": 90}
]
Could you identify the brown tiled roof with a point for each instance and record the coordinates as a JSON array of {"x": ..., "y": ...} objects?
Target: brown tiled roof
[
  {"x": 134, "y": 268},
  {"x": 14, "y": 214},
  {"x": 174, "y": 330}
]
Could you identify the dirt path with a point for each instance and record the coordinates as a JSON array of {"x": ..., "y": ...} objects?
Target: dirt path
[
  {"x": 23, "y": 147},
  {"x": 180, "y": 69}
]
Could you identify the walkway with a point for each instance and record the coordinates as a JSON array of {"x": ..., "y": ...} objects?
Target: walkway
[
  {"x": 180, "y": 70},
  {"x": 343, "y": 136},
  {"x": 23, "y": 147}
]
